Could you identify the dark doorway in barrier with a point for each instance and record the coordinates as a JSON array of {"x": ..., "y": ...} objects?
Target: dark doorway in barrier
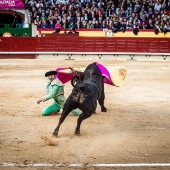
[{"x": 6, "y": 19}]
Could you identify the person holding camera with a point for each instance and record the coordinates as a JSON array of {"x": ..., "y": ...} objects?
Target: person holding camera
[{"x": 17, "y": 20}]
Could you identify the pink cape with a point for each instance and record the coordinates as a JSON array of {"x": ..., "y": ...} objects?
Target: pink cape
[{"x": 64, "y": 77}]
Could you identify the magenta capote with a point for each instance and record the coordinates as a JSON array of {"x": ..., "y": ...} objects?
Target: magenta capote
[{"x": 11, "y": 4}]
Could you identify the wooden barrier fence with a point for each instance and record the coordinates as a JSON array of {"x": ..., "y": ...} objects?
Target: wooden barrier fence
[{"x": 64, "y": 43}]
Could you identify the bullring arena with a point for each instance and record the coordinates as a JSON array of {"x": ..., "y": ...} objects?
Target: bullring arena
[{"x": 132, "y": 134}]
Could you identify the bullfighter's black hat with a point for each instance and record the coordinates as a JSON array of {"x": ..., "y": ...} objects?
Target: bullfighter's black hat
[{"x": 52, "y": 72}]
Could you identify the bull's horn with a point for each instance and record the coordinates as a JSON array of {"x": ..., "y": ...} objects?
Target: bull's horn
[{"x": 105, "y": 76}]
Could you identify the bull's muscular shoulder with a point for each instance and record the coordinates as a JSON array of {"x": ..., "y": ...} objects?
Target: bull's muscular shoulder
[{"x": 56, "y": 81}]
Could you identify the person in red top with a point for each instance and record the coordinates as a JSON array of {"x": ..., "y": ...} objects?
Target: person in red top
[{"x": 58, "y": 26}]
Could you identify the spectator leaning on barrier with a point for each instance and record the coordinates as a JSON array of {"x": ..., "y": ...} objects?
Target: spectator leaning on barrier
[
  {"x": 156, "y": 27},
  {"x": 58, "y": 26},
  {"x": 72, "y": 27},
  {"x": 123, "y": 25},
  {"x": 166, "y": 27},
  {"x": 116, "y": 27},
  {"x": 136, "y": 28},
  {"x": 90, "y": 25}
]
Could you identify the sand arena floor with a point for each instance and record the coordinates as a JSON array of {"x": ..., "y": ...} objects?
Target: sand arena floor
[{"x": 136, "y": 128}]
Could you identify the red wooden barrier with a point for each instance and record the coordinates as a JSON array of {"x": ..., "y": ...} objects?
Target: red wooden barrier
[{"x": 74, "y": 43}]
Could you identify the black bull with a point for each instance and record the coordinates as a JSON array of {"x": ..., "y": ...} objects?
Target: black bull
[{"x": 85, "y": 96}]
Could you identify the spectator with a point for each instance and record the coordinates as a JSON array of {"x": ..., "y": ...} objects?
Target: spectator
[
  {"x": 123, "y": 26},
  {"x": 127, "y": 12},
  {"x": 136, "y": 28},
  {"x": 150, "y": 11},
  {"x": 57, "y": 16},
  {"x": 34, "y": 15},
  {"x": 64, "y": 25},
  {"x": 51, "y": 24},
  {"x": 44, "y": 24},
  {"x": 94, "y": 20},
  {"x": 37, "y": 22},
  {"x": 115, "y": 27},
  {"x": 97, "y": 25},
  {"x": 84, "y": 24},
  {"x": 43, "y": 16},
  {"x": 89, "y": 13},
  {"x": 72, "y": 27},
  {"x": 86, "y": 17},
  {"x": 100, "y": 21},
  {"x": 78, "y": 16},
  {"x": 136, "y": 20},
  {"x": 166, "y": 28},
  {"x": 39, "y": 34},
  {"x": 90, "y": 25},
  {"x": 39, "y": 4},
  {"x": 143, "y": 22},
  {"x": 129, "y": 25},
  {"x": 93, "y": 8},
  {"x": 68, "y": 21},
  {"x": 110, "y": 25},
  {"x": 58, "y": 26},
  {"x": 156, "y": 27},
  {"x": 129, "y": 20},
  {"x": 164, "y": 6},
  {"x": 157, "y": 6},
  {"x": 107, "y": 20},
  {"x": 150, "y": 24},
  {"x": 100, "y": 3},
  {"x": 39, "y": 10},
  {"x": 104, "y": 25},
  {"x": 17, "y": 22},
  {"x": 162, "y": 24},
  {"x": 78, "y": 24},
  {"x": 31, "y": 2},
  {"x": 143, "y": 25},
  {"x": 49, "y": 19}
]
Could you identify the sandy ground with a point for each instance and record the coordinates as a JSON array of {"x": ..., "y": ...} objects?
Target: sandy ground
[{"x": 135, "y": 129}]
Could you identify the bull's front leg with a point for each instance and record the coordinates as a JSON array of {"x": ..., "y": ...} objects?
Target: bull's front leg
[{"x": 101, "y": 101}]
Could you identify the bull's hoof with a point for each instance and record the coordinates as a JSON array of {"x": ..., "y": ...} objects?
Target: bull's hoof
[
  {"x": 55, "y": 133},
  {"x": 77, "y": 132},
  {"x": 104, "y": 110}
]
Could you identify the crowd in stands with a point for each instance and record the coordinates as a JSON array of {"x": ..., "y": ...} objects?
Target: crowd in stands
[{"x": 115, "y": 15}]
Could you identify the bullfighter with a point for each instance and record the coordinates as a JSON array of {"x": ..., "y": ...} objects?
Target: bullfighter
[{"x": 55, "y": 91}]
